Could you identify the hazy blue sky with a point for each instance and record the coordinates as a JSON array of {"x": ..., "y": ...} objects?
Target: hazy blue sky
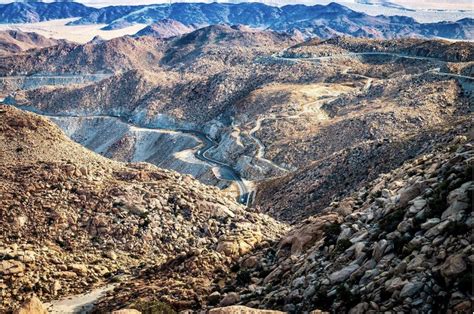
[{"x": 427, "y": 4}]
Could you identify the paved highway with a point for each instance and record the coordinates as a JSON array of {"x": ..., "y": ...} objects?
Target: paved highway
[{"x": 226, "y": 170}]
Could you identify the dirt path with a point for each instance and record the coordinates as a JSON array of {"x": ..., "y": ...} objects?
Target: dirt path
[
  {"x": 312, "y": 107},
  {"x": 80, "y": 303}
]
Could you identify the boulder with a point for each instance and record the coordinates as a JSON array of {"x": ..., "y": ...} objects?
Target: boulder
[
  {"x": 395, "y": 284},
  {"x": 300, "y": 238},
  {"x": 360, "y": 308},
  {"x": 32, "y": 306},
  {"x": 458, "y": 200},
  {"x": 10, "y": 267},
  {"x": 453, "y": 266},
  {"x": 79, "y": 269},
  {"x": 410, "y": 289},
  {"x": 343, "y": 274},
  {"x": 430, "y": 223},
  {"x": 233, "y": 247},
  {"x": 135, "y": 209},
  {"x": 410, "y": 192},
  {"x": 230, "y": 298},
  {"x": 214, "y": 298}
]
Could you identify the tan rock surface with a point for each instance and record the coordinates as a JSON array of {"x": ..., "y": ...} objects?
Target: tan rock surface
[{"x": 32, "y": 306}]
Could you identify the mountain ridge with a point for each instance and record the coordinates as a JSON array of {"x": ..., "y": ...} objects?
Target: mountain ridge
[{"x": 312, "y": 21}]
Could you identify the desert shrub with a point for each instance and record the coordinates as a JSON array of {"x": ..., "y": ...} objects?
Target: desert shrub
[
  {"x": 390, "y": 222},
  {"x": 331, "y": 233},
  {"x": 457, "y": 228},
  {"x": 343, "y": 245},
  {"x": 154, "y": 307},
  {"x": 243, "y": 277}
]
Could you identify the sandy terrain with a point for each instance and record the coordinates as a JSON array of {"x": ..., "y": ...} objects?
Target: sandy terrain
[{"x": 57, "y": 29}]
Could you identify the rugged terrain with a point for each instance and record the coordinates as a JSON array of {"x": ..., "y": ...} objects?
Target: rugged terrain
[
  {"x": 72, "y": 220},
  {"x": 401, "y": 243},
  {"x": 295, "y": 113},
  {"x": 361, "y": 145}
]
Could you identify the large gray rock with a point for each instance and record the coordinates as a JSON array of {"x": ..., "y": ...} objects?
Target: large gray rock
[
  {"x": 379, "y": 249},
  {"x": 411, "y": 289},
  {"x": 410, "y": 192},
  {"x": 430, "y": 223},
  {"x": 395, "y": 284},
  {"x": 343, "y": 274},
  {"x": 458, "y": 200}
]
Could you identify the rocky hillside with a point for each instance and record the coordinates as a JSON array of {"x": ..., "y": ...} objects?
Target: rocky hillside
[
  {"x": 118, "y": 54},
  {"x": 401, "y": 243},
  {"x": 275, "y": 114},
  {"x": 197, "y": 76},
  {"x": 13, "y": 41},
  {"x": 444, "y": 50},
  {"x": 371, "y": 139},
  {"x": 165, "y": 29},
  {"x": 214, "y": 43},
  {"x": 72, "y": 220}
]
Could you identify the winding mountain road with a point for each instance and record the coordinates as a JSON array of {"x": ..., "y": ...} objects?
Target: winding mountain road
[
  {"x": 436, "y": 71},
  {"x": 227, "y": 172},
  {"x": 201, "y": 152},
  {"x": 354, "y": 54},
  {"x": 225, "y": 169}
]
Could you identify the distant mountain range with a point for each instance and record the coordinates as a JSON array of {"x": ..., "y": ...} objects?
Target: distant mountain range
[{"x": 311, "y": 21}]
